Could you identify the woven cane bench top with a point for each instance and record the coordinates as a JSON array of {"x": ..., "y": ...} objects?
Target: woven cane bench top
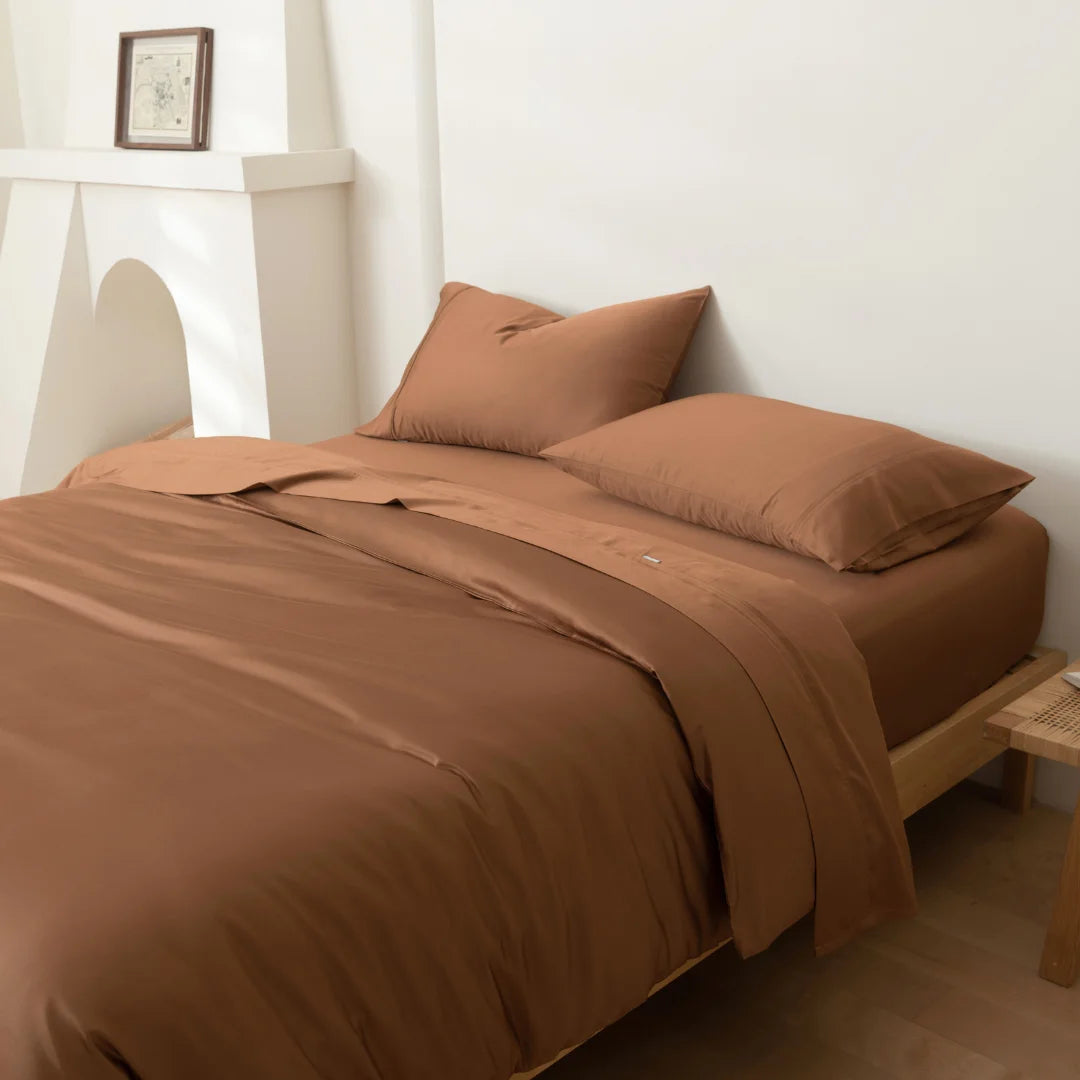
[{"x": 1045, "y": 721}]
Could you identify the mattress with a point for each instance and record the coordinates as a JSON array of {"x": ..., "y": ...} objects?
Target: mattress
[{"x": 934, "y": 632}]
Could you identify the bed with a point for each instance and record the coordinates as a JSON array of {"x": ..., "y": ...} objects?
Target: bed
[
  {"x": 220, "y": 860},
  {"x": 935, "y": 632}
]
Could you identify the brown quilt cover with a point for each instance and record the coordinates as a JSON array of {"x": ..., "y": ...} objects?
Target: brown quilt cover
[{"x": 361, "y": 774}]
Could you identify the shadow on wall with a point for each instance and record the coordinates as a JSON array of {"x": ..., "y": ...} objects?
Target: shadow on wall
[
  {"x": 370, "y": 330},
  {"x": 713, "y": 363},
  {"x": 5, "y": 193},
  {"x": 122, "y": 375},
  {"x": 394, "y": 291},
  {"x": 140, "y": 355},
  {"x": 1054, "y": 499}
]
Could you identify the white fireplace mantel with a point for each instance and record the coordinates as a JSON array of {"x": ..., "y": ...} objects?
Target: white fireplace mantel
[
  {"x": 207, "y": 170},
  {"x": 253, "y": 250},
  {"x": 250, "y": 239}
]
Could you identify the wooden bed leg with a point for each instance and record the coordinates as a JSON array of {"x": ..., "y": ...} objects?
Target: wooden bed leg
[
  {"x": 1018, "y": 781},
  {"x": 1061, "y": 951}
]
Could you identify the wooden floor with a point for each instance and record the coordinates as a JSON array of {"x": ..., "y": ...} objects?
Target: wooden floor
[{"x": 950, "y": 994}]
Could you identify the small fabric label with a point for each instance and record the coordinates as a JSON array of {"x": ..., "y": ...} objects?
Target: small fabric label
[{"x": 650, "y": 558}]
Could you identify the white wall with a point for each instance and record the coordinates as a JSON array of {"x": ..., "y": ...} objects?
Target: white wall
[
  {"x": 252, "y": 100},
  {"x": 41, "y": 39},
  {"x": 132, "y": 380},
  {"x": 382, "y": 81},
  {"x": 883, "y": 196},
  {"x": 10, "y": 113}
]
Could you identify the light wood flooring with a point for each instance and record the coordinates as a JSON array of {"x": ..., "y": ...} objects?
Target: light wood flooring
[{"x": 950, "y": 994}]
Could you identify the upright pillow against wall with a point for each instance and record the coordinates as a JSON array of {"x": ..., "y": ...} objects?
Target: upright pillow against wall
[
  {"x": 500, "y": 373},
  {"x": 857, "y": 494}
]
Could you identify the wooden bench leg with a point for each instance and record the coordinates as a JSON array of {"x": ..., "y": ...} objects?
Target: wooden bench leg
[
  {"x": 1018, "y": 781},
  {"x": 1061, "y": 951}
]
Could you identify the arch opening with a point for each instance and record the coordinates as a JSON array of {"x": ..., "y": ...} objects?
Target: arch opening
[
  {"x": 139, "y": 356},
  {"x": 114, "y": 374}
]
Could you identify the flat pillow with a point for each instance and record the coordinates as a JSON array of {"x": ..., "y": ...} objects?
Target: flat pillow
[
  {"x": 855, "y": 493},
  {"x": 504, "y": 374}
]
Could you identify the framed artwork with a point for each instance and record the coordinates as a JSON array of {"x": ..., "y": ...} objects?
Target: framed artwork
[{"x": 163, "y": 89}]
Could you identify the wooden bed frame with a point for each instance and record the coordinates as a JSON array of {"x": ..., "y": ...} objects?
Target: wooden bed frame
[{"x": 938, "y": 759}]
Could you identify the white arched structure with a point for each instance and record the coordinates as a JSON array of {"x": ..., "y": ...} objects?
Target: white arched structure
[
  {"x": 260, "y": 280},
  {"x": 251, "y": 246},
  {"x": 128, "y": 376}
]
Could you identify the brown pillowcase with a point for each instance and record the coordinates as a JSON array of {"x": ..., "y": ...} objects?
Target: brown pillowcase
[
  {"x": 504, "y": 374},
  {"x": 855, "y": 493}
]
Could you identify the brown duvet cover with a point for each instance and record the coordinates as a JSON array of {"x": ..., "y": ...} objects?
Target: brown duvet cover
[{"x": 374, "y": 775}]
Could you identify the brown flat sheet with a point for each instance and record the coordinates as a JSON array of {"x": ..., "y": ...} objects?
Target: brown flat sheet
[
  {"x": 934, "y": 632},
  {"x": 292, "y": 802}
]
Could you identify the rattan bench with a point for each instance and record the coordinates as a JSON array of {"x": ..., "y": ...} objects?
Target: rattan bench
[{"x": 1046, "y": 723}]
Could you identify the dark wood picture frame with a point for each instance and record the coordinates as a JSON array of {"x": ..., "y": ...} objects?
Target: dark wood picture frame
[{"x": 200, "y": 116}]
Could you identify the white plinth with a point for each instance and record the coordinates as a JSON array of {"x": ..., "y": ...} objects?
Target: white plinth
[
  {"x": 251, "y": 247},
  {"x": 206, "y": 170}
]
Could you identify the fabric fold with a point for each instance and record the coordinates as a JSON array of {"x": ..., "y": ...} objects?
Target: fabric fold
[{"x": 796, "y": 654}]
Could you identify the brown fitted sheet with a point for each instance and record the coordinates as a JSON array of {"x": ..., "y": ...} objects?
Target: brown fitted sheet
[{"x": 934, "y": 632}]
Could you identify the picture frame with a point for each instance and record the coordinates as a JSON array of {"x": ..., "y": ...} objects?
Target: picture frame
[{"x": 163, "y": 89}]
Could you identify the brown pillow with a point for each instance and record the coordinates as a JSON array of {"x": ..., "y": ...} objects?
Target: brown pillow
[
  {"x": 857, "y": 494},
  {"x": 502, "y": 373}
]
